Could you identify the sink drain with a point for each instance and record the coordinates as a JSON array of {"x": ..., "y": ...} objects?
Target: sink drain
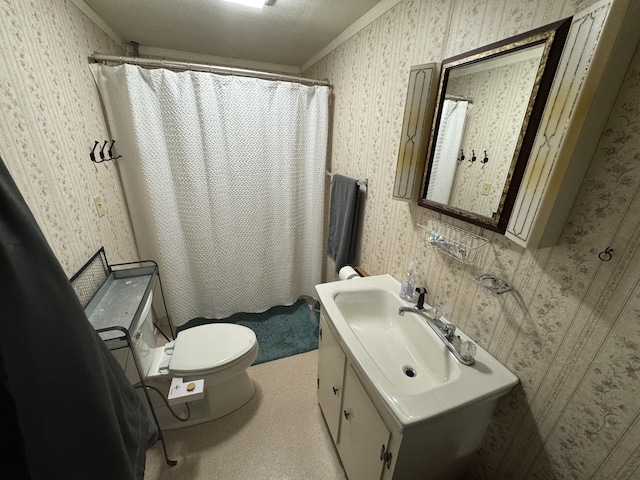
[{"x": 409, "y": 372}]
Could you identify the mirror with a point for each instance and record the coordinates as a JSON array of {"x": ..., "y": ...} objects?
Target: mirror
[{"x": 489, "y": 106}]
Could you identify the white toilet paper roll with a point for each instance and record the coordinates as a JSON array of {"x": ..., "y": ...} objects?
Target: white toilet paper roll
[{"x": 347, "y": 273}]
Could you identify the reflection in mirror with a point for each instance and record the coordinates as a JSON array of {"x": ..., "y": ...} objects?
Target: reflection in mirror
[
  {"x": 489, "y": 106},
  {"x": 492, "y": 94}
]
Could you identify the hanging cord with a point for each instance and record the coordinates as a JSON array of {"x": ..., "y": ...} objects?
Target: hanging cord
[{"x": 150, "y": 387}]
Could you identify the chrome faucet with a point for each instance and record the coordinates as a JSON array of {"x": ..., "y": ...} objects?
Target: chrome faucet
[{"x": 463, "y": 351}]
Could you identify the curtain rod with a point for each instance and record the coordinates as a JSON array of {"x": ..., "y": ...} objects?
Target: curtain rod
[{"x": 203, "y": 67}]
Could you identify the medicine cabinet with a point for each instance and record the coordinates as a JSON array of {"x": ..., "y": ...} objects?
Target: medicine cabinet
[
  {"x": 490, "y": 102},
  {"x": 528, "y": 197}
]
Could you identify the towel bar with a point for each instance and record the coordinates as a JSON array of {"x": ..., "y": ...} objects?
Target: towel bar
[{"x": 361, "y": 183}]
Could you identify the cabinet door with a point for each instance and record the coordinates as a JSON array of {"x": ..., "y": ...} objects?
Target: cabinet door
[
  {"x": 594, "y": 62},
  {"x": 331, "y": 360},
  {"x": 364, "y": 438}
]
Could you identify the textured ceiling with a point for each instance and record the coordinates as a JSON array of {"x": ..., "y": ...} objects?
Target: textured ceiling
[{"x": 288, "y": 33}]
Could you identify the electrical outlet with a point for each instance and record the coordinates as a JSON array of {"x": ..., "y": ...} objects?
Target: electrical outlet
[
  {"x": 486, "y": 188},
  {"x": 97, "y": 200}
]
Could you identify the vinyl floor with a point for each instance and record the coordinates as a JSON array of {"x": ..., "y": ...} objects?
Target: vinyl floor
[{"x": 279, "y": 435}]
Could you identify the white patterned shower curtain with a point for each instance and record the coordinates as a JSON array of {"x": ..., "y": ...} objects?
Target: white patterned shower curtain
[
  {"x": 447, "y": 151},
  {"x": 224, "y": 179}
]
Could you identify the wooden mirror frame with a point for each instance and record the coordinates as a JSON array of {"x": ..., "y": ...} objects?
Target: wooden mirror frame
[{"x": 553, "y": 37}]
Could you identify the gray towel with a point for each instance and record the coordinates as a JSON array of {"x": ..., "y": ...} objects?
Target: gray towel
[{"x": 343, "y": 218}]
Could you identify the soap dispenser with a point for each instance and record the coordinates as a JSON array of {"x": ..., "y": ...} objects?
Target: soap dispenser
[{"x": 408, "y": 280}]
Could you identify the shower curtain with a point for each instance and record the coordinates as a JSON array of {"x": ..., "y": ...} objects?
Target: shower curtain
[
  {"x": 445, "y": 157},
  {"x": 224, "y": 180}
]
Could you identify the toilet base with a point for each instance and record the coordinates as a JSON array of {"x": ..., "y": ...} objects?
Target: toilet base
[{"x": 220, "y": 399}]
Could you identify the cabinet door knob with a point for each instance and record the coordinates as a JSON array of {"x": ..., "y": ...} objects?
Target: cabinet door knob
[
  {"x": 346, "y": 414},
  {"x": 335, "y": 390}
]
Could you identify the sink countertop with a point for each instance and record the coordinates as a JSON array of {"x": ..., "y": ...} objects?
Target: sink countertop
[{"x": 485, "y": 379}]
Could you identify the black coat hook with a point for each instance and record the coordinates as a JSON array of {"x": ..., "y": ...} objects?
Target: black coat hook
[
  {"x": 92, "y": 155},
  {"x": 102, "y": 150},
  {"x": 461, "y": 159},
  {"x": 485, "y": 159},
  {"x": 473, "y": 156},
  {"x": 111, "y": 157}
]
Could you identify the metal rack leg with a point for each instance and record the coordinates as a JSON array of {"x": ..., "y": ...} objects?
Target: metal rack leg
[{"x": 170, "y": 462}]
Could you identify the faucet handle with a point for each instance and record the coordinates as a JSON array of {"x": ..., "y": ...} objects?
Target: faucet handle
[{"x": 467, "y": 350}]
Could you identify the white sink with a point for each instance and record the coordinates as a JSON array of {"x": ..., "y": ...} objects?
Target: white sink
[
  {"x": 409, "y": 366},
  {"x": 404, "y": 348}
]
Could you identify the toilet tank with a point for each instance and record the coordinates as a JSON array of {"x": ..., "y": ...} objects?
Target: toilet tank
[
  {"x": 143, "y": 336},
  {"x": 143, "y": 339}
]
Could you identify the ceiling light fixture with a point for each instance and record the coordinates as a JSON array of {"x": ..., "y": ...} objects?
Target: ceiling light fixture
[{"x": 252, "y": 3}]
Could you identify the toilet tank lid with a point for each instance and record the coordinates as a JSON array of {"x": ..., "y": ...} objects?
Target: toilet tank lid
[{"x": 209, "y": 346}]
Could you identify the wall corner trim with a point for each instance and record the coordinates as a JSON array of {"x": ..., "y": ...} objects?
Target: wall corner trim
[
  {"x": 364, "y": 21},
  {"x": 95, "y": 18}
]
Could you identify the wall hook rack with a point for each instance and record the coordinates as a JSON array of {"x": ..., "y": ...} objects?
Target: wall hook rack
[{"x": 101, "y": 153}]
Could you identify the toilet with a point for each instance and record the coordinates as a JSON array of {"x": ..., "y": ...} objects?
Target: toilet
[{"x": 202, "y": 373}]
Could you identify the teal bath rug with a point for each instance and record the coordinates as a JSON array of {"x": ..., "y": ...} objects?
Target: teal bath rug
[{"x": 281, "y": 331}]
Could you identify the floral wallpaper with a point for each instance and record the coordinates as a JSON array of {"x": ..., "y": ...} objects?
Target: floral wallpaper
[
  {"x": 50, "y": 117},
  {"x": 570, "y": 329}
]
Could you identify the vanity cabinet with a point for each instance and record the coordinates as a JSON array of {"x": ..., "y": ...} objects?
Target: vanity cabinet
[
  {"x": 360, "y": 435},
  {"x": 331, "y": 362},
  {"x": 364, "y": 438}
]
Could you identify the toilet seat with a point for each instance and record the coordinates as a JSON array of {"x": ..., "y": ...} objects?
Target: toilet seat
[{"x": 205, "y": 348}]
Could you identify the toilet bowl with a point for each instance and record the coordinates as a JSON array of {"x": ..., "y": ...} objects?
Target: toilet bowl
[{"x": 218, "y": 354}]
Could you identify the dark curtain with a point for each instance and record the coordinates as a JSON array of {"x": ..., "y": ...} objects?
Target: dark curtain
[{"x": 67, "y": 409}]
